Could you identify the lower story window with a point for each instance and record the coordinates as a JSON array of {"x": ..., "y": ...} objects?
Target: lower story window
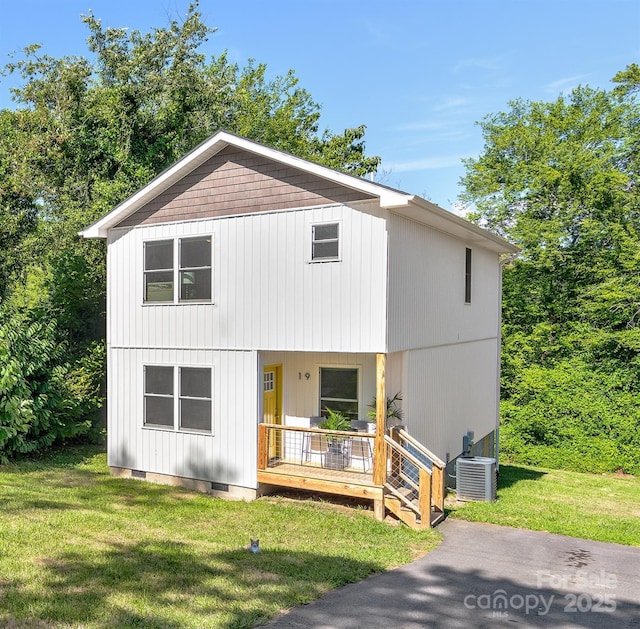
[
  {"x": 339, "y": 390},
  {"x": 192, "y": 405},
  {"x": 158, "y": 396},
  {"x": 195, "y": 398}
]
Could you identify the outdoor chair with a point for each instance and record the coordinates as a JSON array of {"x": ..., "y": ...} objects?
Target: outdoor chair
[
  {"x": 313, "y": 444},
  {"x": 361, "y": 450}
]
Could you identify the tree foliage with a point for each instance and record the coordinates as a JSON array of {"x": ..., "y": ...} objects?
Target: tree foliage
[
  {"x": 560, "y": 179},
  {"x": 43, "y": 396},
  {"x": 85, "y": 134}
]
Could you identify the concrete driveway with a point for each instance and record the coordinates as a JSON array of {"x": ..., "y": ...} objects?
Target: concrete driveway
[{"x": 484, "y": 575}]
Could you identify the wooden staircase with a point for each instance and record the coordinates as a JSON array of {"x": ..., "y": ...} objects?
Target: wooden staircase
[{"x": 414, "y": 488}]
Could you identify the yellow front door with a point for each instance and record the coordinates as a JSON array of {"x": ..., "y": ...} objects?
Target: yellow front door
[{"x": 272, "y": 405}]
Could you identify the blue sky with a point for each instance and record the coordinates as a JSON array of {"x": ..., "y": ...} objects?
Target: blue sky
[{"x": 418, "y": 73}]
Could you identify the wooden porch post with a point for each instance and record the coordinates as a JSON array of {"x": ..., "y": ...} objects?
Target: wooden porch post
[
  {"x": 263, "y": 447},
  {"x": 380, "y": 449}
]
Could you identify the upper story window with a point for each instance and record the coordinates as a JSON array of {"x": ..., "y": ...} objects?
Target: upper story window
[
  {"x": 467, "y": 276},
  {"x": 193, "y": 274},
  {"x": 325, "y": 242},
  {"x": 158, "y": 270},
  {"x": 195, "y": 268}
]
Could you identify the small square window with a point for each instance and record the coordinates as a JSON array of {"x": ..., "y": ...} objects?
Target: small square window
[{"x": 325, "y": 241}]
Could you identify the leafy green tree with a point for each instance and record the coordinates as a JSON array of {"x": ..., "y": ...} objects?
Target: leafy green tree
[
  {"x": 88, "y": 132},
  {"x": 43, "y": 396},
  {"x": 560, "y": 179}
]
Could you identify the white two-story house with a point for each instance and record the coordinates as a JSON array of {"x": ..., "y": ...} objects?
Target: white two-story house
[{"x": 246, "y": 284}]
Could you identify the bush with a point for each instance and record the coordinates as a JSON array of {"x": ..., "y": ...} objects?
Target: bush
[
  {"x": 43, "y": 397},
  {"x": 572, "y": 416}
]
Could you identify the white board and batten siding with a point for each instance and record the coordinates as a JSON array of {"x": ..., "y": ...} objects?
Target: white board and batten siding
[
  {"x": 266, "y": 293},
  {"x": 218, "y": 456},
  {"x": 301, "y": 381},
  {"x": 449, "y": 347},
  {"x": 449, "y": 390},
  {"x": 266, "y": 296},
  {"x": 426, "y": 288}
]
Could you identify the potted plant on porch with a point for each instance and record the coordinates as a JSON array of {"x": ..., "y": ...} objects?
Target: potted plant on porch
[
  {"x": 336, "y": 457},
  {"x": 394, "y": 412}
]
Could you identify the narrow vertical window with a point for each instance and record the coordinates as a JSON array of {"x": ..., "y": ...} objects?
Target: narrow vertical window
[
  {"x": 195, "y": 398},
  {"x": 195, "y": 269},
  {"x": 467, "y": 277},
  {"x": 158, "y": 271},
  {"x": 158, "y": 396},
  {"x": 325, "y": 241}
]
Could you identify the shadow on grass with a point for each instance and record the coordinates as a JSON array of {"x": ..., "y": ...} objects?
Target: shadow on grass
[
  {"x": 62, "y": 455},
  {"x": 171, "y": 584},
  {"x": 510, "y": 475},
  {"x": 87, "y": 486}
]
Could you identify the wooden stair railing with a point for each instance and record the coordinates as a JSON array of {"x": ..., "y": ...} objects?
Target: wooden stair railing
[{"x": 414, "y": 489}]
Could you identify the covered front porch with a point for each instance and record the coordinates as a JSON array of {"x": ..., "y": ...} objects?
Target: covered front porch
[{"x": 387, "y": 466}]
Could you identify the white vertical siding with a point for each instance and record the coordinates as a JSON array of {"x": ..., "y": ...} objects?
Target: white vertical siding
[
  {"x": 449, "y": 390},
  {"x": 266, "y": 293},
  {"x": 226, "y": 456},
  {"x": 449, "y": 348},
  {"x": 426, "y": 288},
  {"x": 301, "y": 396}
]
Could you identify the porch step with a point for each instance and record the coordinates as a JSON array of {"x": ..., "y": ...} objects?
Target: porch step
[
  {"x": 403, "y": 513},
  {"x": 410, "y": 494}
]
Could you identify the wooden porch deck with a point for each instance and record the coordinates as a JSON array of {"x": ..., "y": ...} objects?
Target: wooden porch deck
[
  {"x": 348, "y": 482},
  {"x": 407, "y": 481}
]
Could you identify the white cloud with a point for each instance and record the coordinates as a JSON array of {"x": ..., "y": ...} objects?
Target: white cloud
[
  {"x": 427, "y": 163},
  {"x": 452, "y": 103},
  {"x": 490, "y": 64},
  {"x": 460, "y": 209},
  {"x": 565, "y": 84}
]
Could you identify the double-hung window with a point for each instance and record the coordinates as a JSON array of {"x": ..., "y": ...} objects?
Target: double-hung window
[
  {"x": 195, "y": 268},
  {"x": 158, "y": 396},
  {"x": 192, "y": 277},
  {"x": 339, "y": 390},
  {"x": 325, "y": 242},
  {"x": 192, "y": 405},
  {"x": 195, "y": 398},
  {"x": 158, "y": 271}
]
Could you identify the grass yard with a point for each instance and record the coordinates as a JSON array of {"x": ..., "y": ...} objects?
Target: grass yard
[
  {"x": 79, "y": 548},
  {"x": 590, "y": 506}
]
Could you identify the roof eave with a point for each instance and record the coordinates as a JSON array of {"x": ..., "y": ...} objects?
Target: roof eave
[
  {"x": 439, "y": 218},
  {"x": 220, "y": 140}
]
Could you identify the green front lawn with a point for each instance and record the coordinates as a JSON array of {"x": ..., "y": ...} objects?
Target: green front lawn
[
  {"x": 591, "y": 506},
  {"x": 79, "y": 548}
]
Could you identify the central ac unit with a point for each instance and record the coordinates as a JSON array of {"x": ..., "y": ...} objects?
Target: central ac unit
[{"x": 476, "y": 479}]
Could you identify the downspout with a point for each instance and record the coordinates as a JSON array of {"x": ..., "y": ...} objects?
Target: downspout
[{"x": 501, "y": 266}]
